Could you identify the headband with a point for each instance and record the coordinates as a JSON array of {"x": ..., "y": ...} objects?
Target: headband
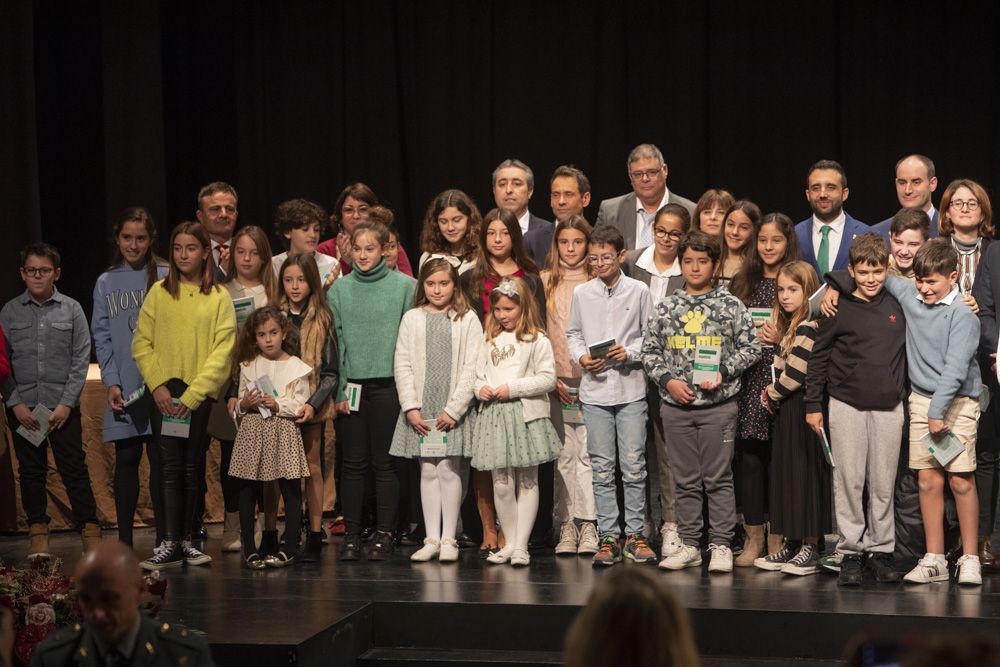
[{"x": 508, "y": 288}]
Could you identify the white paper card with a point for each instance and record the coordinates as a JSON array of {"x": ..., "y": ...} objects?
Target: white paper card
[
  {"x": 243, "y": 307},
  {"x": 135, "y": 396},
  {"x": 264, "y": 386},
  {"x": 706, "y": 364},
  {"x": 761, "y": 315},
  {"x": 944, "y": 449},
  {"x": 37, "y": 437},
  {"x": 176, "y": 427},
  {"x": 984, "y": 399},
  {"x": 572, "y": 412},
  {"x": 827, "y": 450},
  {"x": 353, "y": 391},
  {"x": 435, "y": 443},
  {"x": 816, "y": 300}
]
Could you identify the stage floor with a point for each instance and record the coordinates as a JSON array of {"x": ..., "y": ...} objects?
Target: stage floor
[{"x": 400, "y": 612}]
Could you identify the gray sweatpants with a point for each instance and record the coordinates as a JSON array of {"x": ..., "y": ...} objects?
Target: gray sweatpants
[
  {"x": 700, "y": 447},
  {"x": 865, "y": 446},
  {"x": 660, "y": 503}
]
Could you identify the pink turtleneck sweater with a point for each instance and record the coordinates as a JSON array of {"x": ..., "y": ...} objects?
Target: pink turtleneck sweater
[{"x": 558, "y": 316}]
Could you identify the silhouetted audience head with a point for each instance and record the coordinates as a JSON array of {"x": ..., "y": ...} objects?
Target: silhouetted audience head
[
  {"x": 631, "y": 619},
  {"x": 109, "y": 589}
]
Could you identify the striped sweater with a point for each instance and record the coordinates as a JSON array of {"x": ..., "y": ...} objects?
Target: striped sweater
[{"x": 792, "y": 366}]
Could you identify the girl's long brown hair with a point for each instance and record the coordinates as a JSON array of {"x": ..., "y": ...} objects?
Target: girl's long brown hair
[
  {"x": 804, "y": 275},
  {"x": 266, "y": 272},
  {"x": 246, "y": 344},
  {"x": 316, "y": 303},
  {"x": 484, "y": 265},
  {"x": 153, "y": 261},
  {"x": 529, "y": 325},
  {"x": 752, "y": 211},
  {"x": 173, "y": 280},
  {"x": 459, "y": 301},
  {"x": 553, "y": 267},
  {"x": 752, "y": 272},
  {"x": 431, "y": 239}
]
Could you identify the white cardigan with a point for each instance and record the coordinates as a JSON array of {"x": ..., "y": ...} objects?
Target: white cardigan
[
  {"x": 537, "y": 374},
  {"x": 410, "y": 364}
]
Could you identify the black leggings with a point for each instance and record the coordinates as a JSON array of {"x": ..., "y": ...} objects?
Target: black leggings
[
  {"x": 365, "y": 437},
  {"x": 180, "y": 466},
  {"x": 251, "y": 495},
  {"x": 128, "y": 454},
  {"x": 751, "y": 472}
]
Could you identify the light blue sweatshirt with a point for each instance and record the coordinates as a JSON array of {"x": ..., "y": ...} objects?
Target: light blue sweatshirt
[
  {"x": 118, "y": 296},
  {"x": 941, "y": 343}
]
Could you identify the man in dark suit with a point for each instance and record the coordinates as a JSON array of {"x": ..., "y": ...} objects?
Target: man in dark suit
[
  {"x": 114, "y": 631},
  {"x": 513, "y": 185},
  {"x": 632, "y": 214},
  {"x": 915, "y": 183},
  {"x": 217, "y": 212},
  {"x": 825, "y": 238},
  {"x": 570, "y": 190}
]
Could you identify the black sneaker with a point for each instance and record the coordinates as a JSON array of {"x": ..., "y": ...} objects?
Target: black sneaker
[
  {"x": 350, "y": 548},
  {"x": 367, "y": 533},
  {"x": 165, "y": 556},
  {"x": 880, "y": 565},
  {"x": 805, "y": 562},
  {"x": 850, "y": 571},
  {"x": 192, "y": 555},
  {"x": 775, "y": 562},
  {"x": 381, "y": 546},
  {"x": 311, "y": 550}
]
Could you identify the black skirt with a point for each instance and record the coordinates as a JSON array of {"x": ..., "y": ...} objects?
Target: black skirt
[{"x": 800, "y": 490}]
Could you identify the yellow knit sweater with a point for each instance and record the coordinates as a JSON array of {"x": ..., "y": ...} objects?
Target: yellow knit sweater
[{"x": 190, "y": 338}]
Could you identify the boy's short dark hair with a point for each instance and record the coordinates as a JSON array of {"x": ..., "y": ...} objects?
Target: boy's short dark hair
[
  {"x": 700, "y": 242},
  {"x": 935, "y": 256},
  {"x": 910, "y": 218},
  {"x": 297, "y": 213},
  {"x": 608, "y": 235},
  {"x": 869, "y": 249},
  {"x": 45, "y": 250}
]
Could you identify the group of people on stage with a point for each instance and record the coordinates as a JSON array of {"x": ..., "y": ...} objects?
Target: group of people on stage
[{"x": 625, "y": 382}]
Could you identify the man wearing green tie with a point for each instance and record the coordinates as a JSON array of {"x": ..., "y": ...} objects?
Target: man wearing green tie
[{"x": 825, "y": 237}]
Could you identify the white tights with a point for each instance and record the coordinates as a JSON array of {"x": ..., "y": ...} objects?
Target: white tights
[
  {"x": 441, "y": 495},
  {"x": 515, "y": 493}
]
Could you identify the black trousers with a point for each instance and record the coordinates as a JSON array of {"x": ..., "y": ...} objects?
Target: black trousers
[
  {"x": 128, "y": 455},
  {"x": 180, "y": 467},
  {"x": 365, "y": 437},
  {"x": 752, "y": 469},
  {"x": 33, "y": 468}
]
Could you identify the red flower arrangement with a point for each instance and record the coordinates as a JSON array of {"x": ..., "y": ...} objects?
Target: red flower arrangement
[{"x": 42, "y": 600}]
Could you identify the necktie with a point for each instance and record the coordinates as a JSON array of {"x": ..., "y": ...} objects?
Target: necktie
[
  {"x": 645, "y": 232},
  {"x": 823, "y": 257}
]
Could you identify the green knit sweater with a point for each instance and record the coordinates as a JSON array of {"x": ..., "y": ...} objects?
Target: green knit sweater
[{"x": 367, "y": 307}]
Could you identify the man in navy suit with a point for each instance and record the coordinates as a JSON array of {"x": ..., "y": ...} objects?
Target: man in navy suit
[
  {"x": 632, "y": 214},
  {"x": 915, "y": 183},
  {"x": 217, "y": 212},
  {"x": 825, "y": 237},
  {"x": 513, "y": 185}
]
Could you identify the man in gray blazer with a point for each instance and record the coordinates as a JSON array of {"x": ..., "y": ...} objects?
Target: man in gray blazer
[
  {"x": 632, "y": 214},
  {"x": 513, "y": 185}
]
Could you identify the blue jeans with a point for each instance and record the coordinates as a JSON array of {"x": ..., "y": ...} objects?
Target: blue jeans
[{"x": 618, "y": 431}]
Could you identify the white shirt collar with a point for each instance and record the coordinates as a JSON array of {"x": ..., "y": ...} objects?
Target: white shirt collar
[
  {"x": 524, "y": 220},
  {"x": 663, "y": 202},
  {"x": 227, "y": 243},
  {"x": 837, "y": 226},
  {"x": 647, "y": 263},
  {"x": 947, "y": 301}
]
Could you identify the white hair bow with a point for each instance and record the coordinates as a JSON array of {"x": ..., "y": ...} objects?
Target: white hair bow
[
  {"x": 451, "y": 259},
  {"x": 507, "y": 287}
]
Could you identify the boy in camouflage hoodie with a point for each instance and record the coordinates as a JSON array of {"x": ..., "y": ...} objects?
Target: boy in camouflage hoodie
[{"x": 699, "y": 420}]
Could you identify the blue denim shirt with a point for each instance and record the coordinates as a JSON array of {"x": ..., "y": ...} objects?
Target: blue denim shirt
[{"x": 49, "y": 348}]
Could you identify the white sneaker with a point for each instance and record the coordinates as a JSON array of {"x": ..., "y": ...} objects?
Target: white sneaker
[
  {"x": 969, "y": 570},
  {"x": 670, "y": 539},
  {"x": 520, "y": 558},
  {"x": 588, "y": 539},
  {"x": 722, "y": 558},
  {"x": 569, "y": 539},
  {"x": 932, "y": 567},
  {"x": 449, "y": 551},
  {"x": 425, "y": 553},
  {"x": 686, "y": 556}
]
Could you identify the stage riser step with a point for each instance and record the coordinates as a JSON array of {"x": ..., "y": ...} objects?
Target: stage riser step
[{"x": 409, "y": 657}]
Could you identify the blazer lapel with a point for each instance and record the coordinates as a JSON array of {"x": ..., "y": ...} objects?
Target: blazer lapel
[
  {"x": 850, "y": 231},
  {"x": 626, "y": 220}
]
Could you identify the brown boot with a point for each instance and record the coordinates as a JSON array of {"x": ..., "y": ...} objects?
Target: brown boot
[
  {"x": 987, "y": 560},
  {"x": 91, "y": 536},
  {"x": 753, "y": 547},
  {"x": 39, "y": 546},
  {"x": 774, "y": 542}
]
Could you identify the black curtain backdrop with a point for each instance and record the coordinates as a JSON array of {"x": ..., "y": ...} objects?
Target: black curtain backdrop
[{"x": 111, "y": 104}]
